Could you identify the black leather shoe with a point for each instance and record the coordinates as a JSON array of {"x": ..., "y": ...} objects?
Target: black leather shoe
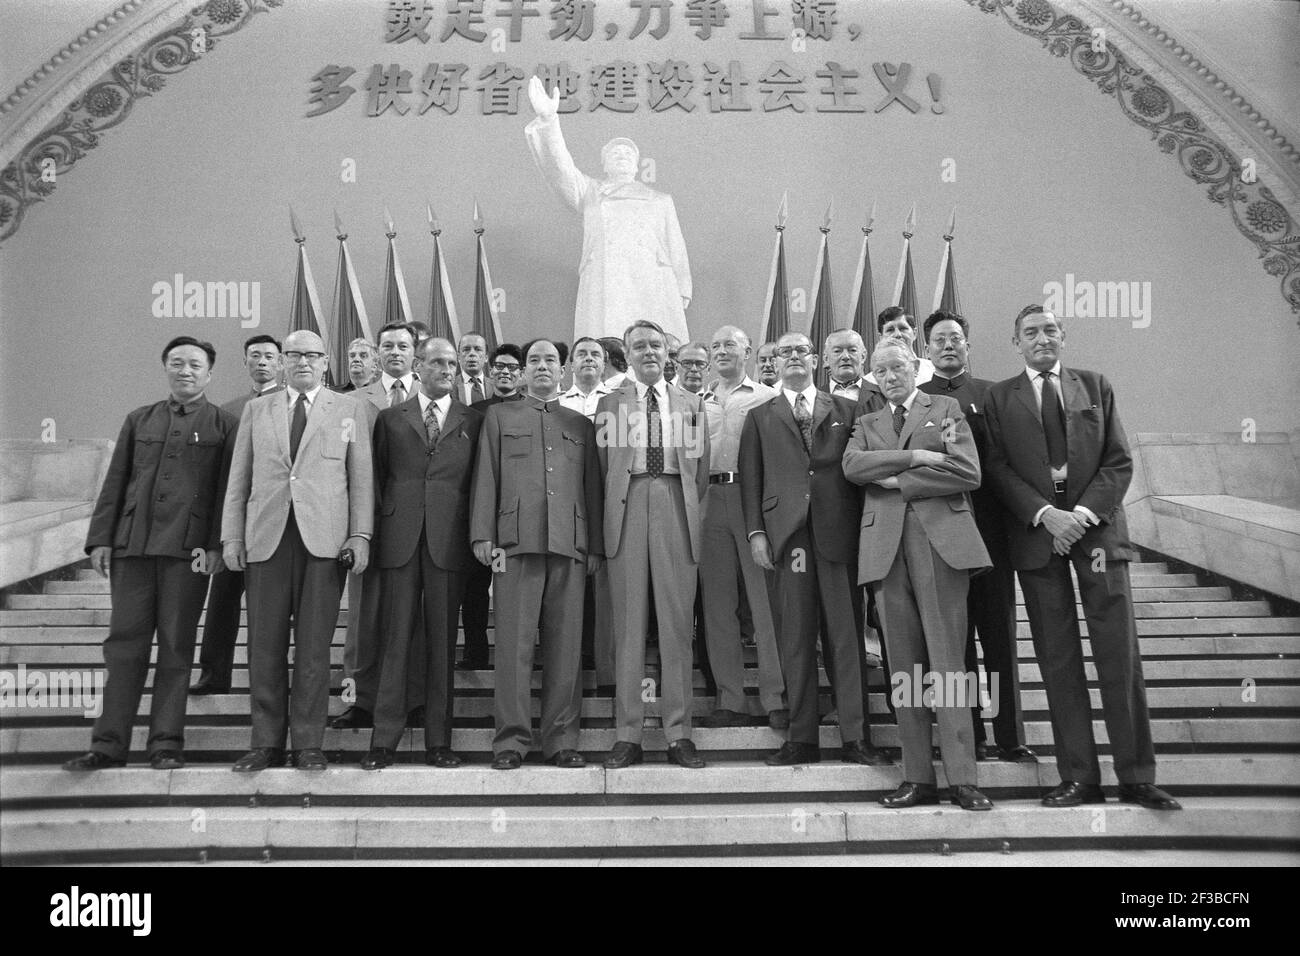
[
  {"x": 1071, "y": 794},
  {"x": 352, "y": 719},
  {"x": 167, "y": 760},
  {"x": 259, "y": 759},
  {"x": 207, "y": 684},
  {"x": 860, "y": 751},
  {"x": 725, "y": 718},
  {"x": 378, "y": 758},
  {"x": 92, "y": 761},
  {"x": 911, "y": 795},
  {"x": 1147, "y": 795},
  {"x": 415, "y": 718},
  {"x": 988, "y": 751},
  {"x": 570, "y": 759},
  {"x": 682, "y": 752},
  {"x": 443, "y": 757},
  {"x": 792, "y": 753},
  {"x": 1021, "y": 754},
  {"x": 623, "y": 755},
  {"x": 310, "y": 758},
  {"x": 508, "y": 760},
  {"x": 968, "y": 798},
  {"x": 779, "y": 719}
]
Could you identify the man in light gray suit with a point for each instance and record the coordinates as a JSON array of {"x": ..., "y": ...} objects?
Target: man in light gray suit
[
  {"x": 653, "y": 440},
  {"x": 299, "y": 504}
]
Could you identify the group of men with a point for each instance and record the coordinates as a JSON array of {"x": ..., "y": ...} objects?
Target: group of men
[{"x": 902, "y": 492}]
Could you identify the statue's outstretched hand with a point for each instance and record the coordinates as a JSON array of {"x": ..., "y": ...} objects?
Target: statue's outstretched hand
[{"x": 544, "y": 105}]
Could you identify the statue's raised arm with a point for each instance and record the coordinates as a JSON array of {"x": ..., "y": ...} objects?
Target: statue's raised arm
[{"x": 634, "y": 263}]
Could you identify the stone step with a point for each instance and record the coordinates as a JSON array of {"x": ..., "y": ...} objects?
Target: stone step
[
  {"x": 1198, "y": 731},
  {"x": 51, "y": 835},
  {"x": 200, "y": 783},
  {"x": 1227, "y": 701}
]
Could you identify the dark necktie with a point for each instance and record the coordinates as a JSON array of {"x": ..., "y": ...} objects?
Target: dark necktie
[
  {"x": 397, "y": 395},
  {"x": 900, "y": 416},
  {"x": 476, "y": 392},
  {"x": 431, "y": 428},
  {"x": 298, "y": 424},
  {"x": 654, "y": 453},
  {"x": 1053, "y": 423},
  {"x": 804, "y": 417}
]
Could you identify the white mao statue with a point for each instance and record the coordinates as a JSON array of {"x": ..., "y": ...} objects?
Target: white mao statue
[{"x": 634, "y": 263}]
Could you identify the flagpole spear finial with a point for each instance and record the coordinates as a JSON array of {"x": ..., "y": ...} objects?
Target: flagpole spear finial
[
  {"x": 338, "y": 227},
  {"x": 296, "y": 226},
  {"x": 909, "y": 227},
  {"x": 478, "y": 220},
  {"x": 435, "y": 227},
  {"x": 783, "y": 211},
  {"x": 391, "y": 233},
  {"x": 952, "y": 223},
  {"x": 871, "y": 220},
  {"x": 826, "y": 223}
]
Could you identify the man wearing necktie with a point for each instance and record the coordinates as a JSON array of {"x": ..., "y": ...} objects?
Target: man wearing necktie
[
  {"x": 154, "y": 535},
  {"x": 802, "y": 517},
  {"x": 364, "y": 648},
  {"x": 654, "y": 455},
  {"x": 424, "y": 454},
  {"x": 226, "y": 595},
  {"x": 1059, "y": 460},
  {"x": 990, "y": 602},
  {"x": 300, "y": 493},
  {"x": 536, "y": 521},
  {"x": 471, "y": 385}
]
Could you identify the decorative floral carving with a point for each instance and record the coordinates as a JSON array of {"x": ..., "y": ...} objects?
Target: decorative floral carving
[
  {"x": 1150, "y": 101},
  {"x": 102, "y": 101},
  {"x": 167, "y": 56},
  {"x": 1275, "y": 265},
  {"x": 224, "y": 11},
  {"x": 1201, "y": 159},
  {"x": 1034, "y": 12},
  {"x": 6, "y": 212},
  {"x": 1266, "y": 216}
]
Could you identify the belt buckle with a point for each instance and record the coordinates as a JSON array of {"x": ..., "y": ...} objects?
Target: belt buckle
[{"x": 1058, "y": 485}]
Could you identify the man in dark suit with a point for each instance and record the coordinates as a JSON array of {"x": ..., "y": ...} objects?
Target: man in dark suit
[
  {"x": 424, "y": 454},
  {"x": 471, "y": 385},
  {"x": 802, "y": 517},
  {"x": 155, "y": 534},
  {"x": 299, "y": 503},
  {"x": 990, "y": 603},
  {"x": 226, "y": 596},
  {"x": 1060, "y": 462},
  {"x": 919, "y": 545},
  {"x": 537, "y": 522}
]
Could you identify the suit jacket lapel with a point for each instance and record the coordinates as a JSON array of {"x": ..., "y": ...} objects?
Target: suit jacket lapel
[
  {"x": 281, "y": 410},
  {"x": 324, "y": 402},
  {"x": 455, "y": 415},
  {"x": 411, "y": 413},
  {"x": 919, "y": 411},
  {"x": 882, "y": 422},
  {"x": 1025, "y": 392},
  {"x": 785, "y": 413},
  {"x": 822, "y": 406}
]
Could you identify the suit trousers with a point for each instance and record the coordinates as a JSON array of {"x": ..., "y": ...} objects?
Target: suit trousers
[
  {"x": 292, "y": 585},
  {"x": 991, "y": 611},
  {"x": 1054, "y": 624},
  {"x": 598, "y": 626},
  {"x": 654, "y": 558},
  {"x": 221, "y": 626},
  {"x": 807, "y": 593},
  {"x": 727, "y": 557},
  {"x": 539, "y": 592},
  {"x": 922, "y": 605},
  {"x": 419, "y": 609},
  {"x": 149, "y": 594},
  {"x": 474, "y": 615},
  {"x": 368, "y": 640}
]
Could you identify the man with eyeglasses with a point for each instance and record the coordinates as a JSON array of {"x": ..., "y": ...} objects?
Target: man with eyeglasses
[
  {"x": 801, "y": 516},
  {"x": 504, "y": 368},
  {"x": 766, "y": 360},
  {"x": 363, "y": 650},
  {"x": 299, "y": 506},
  {"x": 728, "y": 574},
  {"x": 990, "y": 602},
  {"x": 154, "y": 535},
  {"x": 693, "y": 365}
]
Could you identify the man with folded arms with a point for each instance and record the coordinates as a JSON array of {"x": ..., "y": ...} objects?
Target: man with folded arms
[{"x": 919, "y": 545}]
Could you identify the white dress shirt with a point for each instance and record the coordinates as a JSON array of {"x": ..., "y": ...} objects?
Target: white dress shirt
[
  {"x": 809, "y": 394},
  {"x": 441, "y": 407},
  {"x": 408, "y": 383},
  {"x": 585, "y": 402}
]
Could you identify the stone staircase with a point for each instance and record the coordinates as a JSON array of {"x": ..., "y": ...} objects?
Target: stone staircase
[{"x": 1223, "y": 679}]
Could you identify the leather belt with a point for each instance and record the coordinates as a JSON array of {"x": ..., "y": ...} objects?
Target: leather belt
[
  {"x": 1059, "y": 486},
  {"x": 724, "y": 478}
]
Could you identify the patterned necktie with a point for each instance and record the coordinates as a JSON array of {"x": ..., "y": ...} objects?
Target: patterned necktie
[
  {"x": 431, "y": 428},
  {"x": 654, "y": 453},
  {"x": 297, "y": 426},
  {"x": 1053, "y": 424},
  {"x": 397, "y": 395},
  {"x": 900, "y": 415},
  {"x": 804, "y": 417},
  {"x": 476, "y": 392}
]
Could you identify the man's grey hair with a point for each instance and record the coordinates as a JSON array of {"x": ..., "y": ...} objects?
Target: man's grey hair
[
  {"x": 889, "y": 346},
  {"x": 362, "y": 341}
]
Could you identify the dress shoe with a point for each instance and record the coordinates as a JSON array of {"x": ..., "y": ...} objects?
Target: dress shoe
[
  {"x": 832, "y": 719},
  {"x": 792, "y": 753},
  {"x": 911, "y": 795},
  {"x": 508, "y": 760},
  {"x": 415, "y": 718},
  {"x": 378, "y": 758},
  {"x": 352, "y": 719},
  {"x": 92, "y": 761},
  {"x": 873, "y": 660},
  {"x": 682, "y": 752},
  {"x": 569, "y": 759},
  {"x": 1072, "y": 794},
  {"x": 207, "y": 684},
  {"x": 443, "y": 757},
  {"x": 1147, "y": 795},
  {"x": 1020, "y": 754},
  {"x": 259, "y": 759},
  {"x": 725, "y": 718},
  {"x": 167, "y": 760},
  {"x": 968, "y": 798},
  {"x": 860, "y": 751},
  {"x": 779, "y": 719},
  {"x": 623, "y": 755},
  {"x": 310, "y": 758},
  {"x": 987, "y": 751}
]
